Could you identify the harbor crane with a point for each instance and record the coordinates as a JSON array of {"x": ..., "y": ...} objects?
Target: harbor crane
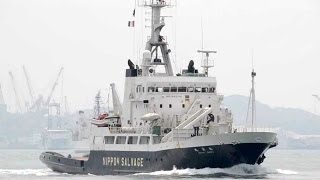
[
  {"x": 31, "y": 91},
  {"x": 53, "y": 87},
  {"x": 18, "y": 104}
]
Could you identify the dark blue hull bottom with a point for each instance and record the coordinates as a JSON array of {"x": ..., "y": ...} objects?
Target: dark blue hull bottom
[{"x": 128, "y": 162}]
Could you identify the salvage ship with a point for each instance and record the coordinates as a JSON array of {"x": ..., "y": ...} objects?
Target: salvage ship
[{"x": 165, "y": 120}]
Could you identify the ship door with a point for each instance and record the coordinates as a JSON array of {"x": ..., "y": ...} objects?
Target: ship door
[{"x": 139, "y": 91}]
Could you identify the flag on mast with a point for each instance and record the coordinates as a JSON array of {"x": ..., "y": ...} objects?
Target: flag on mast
[{"x": 131, "y": 24}]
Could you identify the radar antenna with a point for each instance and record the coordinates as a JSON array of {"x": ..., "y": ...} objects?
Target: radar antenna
[{"x": 206, "y": 63}]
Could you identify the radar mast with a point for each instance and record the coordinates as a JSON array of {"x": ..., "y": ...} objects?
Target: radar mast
[
  {"x": 252, "y": 101},
  {"x": 156, "y": 42},
  {"x": 206, "y": 63}
]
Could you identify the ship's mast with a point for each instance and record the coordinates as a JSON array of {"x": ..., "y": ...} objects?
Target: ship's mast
[
  {"x": 156, "y": 42},
  {"x": 253, "y": 74},
  {"x": 206, "y": 63},
  {"x": 97, "y": 105},
  {"x": 252, "y": 100}
]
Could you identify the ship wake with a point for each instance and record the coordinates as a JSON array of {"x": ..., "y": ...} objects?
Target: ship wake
[
  {"x": 239, "y": 171},
  {"x": 23, "y": 172}
]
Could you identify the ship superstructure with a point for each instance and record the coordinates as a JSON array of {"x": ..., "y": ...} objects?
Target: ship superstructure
[{"x": 165, "y": 120}]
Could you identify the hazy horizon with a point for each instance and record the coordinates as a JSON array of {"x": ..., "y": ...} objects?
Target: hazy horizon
[{"x": 91, "y": 40}]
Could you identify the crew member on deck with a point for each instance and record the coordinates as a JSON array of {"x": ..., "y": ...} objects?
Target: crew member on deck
[{"x": 196, "y": 128}]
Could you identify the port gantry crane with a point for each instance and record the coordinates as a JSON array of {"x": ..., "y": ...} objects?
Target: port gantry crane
[
  {"x": 47, "y": 102},
  {"x": 30, "y": 89},
  {"x": 18, "y": 103}
]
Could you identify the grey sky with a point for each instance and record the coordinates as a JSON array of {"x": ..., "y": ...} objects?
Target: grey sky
[{"x": 91, "y": 40}]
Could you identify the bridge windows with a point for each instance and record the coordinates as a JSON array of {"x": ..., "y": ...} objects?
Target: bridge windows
[
  {"x": 173, "y": 89},
  {"x": 151, "y": 89},
  {"x": 166, "y": 89},
  {"x": 109, "y": 139},
  {"x": 178, "y": 89},
  {"x": 190, "y": 89},
  {"x": 159, "y": 89},
  {"x": 121, "y": 140},
  {"x": 132, "y": 139},
  {"x": 204, "y": 89},
  {"x": 212, "y": 90},
  {"x": 182, "y": 89},
  {"x": 144, "y": 140}
]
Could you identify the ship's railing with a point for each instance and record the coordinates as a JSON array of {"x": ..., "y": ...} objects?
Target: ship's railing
[
  {"x": 131, "y": 130},
  {"x": 134, "y": 130},
  {"x": 184, "y": 134},
  {"x": 252, "y": 129}
]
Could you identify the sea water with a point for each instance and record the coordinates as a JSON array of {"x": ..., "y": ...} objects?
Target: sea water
[{"x": 279, "y": 164}]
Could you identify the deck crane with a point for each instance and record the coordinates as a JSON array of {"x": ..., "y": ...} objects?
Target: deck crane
[
  {"x": 18, "y": 104},
  {"x": 31, "y": 91},
  {"x": 53, "y": 88},
  {"x": 117, "y": 107}
]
